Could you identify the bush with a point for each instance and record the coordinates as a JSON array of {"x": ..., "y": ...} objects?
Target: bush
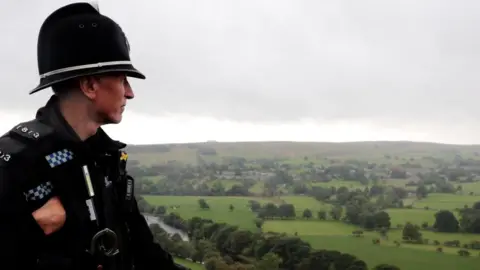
[{"x": 463, "y": 253}]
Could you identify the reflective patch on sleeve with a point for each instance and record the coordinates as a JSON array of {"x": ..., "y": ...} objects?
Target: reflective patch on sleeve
[
  {"x": 59, "y": 157},
  {"x": 39, "y": 192}
]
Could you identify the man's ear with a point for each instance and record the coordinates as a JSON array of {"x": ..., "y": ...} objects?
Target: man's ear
[{"x": 88, "y": 86}]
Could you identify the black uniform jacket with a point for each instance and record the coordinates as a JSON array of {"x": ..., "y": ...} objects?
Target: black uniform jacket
[{"x": 43, "y": 158}]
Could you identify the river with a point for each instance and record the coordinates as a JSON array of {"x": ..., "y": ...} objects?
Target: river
[{"x": 169, "y": 229}]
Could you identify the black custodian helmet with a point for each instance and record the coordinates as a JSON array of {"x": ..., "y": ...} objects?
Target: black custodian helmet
[{"x": 76, "y": 40}]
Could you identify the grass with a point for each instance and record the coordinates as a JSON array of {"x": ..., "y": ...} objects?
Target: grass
[
  {"x": 334, "y": 235},
  {"x": 473, "y": 187},
  {"x": 189, "y": 264},
  {"x": 352, "y": 185},
  {"x": 303, "y": 202},
  {"x": 219, "y": 211},
  {"x": 332, "y": 228},
  {"x": 308, "y": 227},
  {"x": 441, "y": 237},
  {"x": 242, "y": 216},
  {"x": 446, "y": 201},
  {"x": 414, "y": 216},
  {"x": 337, "y": 236},
  {"x": 404, "y": 257},
  {"x": 257, "y": 188}
]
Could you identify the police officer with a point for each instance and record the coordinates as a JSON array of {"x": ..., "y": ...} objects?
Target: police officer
[{"x": 66, "y": 199}]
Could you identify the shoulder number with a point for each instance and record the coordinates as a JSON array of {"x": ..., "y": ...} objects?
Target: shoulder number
[
  {"x": 32, "y": 130},
  {"x": 26, "y": 131},
  {"x": 4, "y": 156}
]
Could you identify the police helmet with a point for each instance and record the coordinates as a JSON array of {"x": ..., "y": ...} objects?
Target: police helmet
[{"x": 76, "y": 40}]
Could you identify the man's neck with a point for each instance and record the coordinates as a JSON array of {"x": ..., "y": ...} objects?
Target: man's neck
[{"x": 78, "y": 117}]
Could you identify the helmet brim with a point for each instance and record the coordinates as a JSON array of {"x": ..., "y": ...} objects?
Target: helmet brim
[{"x": 128, "y": 70}]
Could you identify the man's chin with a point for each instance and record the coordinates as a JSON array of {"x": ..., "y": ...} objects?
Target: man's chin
[{"x": 111, "y": 120}]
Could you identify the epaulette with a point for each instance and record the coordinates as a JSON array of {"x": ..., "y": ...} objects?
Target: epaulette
[
  {"x": 32, "y": 130},
  {"x": 14, "y": 142}
]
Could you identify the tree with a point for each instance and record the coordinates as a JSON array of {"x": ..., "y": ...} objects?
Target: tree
[
  {"x": 411, "y": 233},
  {"x": 218, "y": 188},
  {"x": 270, "y": 210},
  {"x": 382, "y": 220},
  {"x": 476, "y": 205},
  {"x": 259, "y": 223},
  {"x": 269, "y": 261},
  {"x": 231, "y": 207},
  {"x": 160, "y": 210},
  {"x": 331, "y": 260},
  {"x": 470, "y": 220},
  {"x": 307, "y": 213},
  {"x": 237, "y": 241},
  {"x": 286, "y": 211},
  {"x": 336, "y": 212},
  {"x": 445, "y": 221},
  {"x": 322, "y": 215},
  {"x": 203, "y": 204},
  {"x": 254, "y": 205},
  {"x": 422, "y": 192}
]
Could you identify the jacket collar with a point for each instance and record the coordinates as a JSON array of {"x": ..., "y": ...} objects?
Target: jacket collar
[{"x": 51, "y": 115}]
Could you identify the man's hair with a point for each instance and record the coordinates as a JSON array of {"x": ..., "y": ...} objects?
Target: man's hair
[{"x": 63, "y": 89}]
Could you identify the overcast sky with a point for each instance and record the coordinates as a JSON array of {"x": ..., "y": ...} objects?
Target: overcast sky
[{"x": 276, "y": 70}]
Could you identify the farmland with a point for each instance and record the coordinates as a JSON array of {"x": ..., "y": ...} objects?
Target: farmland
[
  {"x": 331, "y": 189},
  {"x": 219, "y": 208},
  {"x": 336, "y": 235}
]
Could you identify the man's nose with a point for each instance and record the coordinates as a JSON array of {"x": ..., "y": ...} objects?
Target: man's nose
[{"x": 129, "y": 93}]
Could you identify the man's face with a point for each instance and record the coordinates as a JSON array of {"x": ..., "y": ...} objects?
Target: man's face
[{"x": 110, "y": 97}]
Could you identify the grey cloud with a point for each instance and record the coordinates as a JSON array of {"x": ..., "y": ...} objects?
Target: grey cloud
[{"x": 386, "y": 61}]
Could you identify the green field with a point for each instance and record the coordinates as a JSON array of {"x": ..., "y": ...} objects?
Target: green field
[
  {"x": 335, "y": 235},
  {"x": 189, "y": 264},
  {"x": 446, "y": 201},
  {"x": 331, "y": 235},
  {"x": 414, "y": 216},
  {"x": 403, "y": 257},
  {"x": 473, "y": 187},
  {"x": 334, "y": 228},
  {"x": 351, "y": 185},
  {"x": 309, "y": 227},
  {"x": 303, "y": 202},
  {"x": 219, "y": 211},
  {"x": 338, "y": 236},
  {"x": 257, "y": 188}
]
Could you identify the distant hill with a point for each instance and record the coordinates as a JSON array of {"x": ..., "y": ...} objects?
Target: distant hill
[{"x": 379, "y": 151}]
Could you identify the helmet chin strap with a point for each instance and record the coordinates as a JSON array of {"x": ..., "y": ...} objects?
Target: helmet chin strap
[{"x": 94, "y": 4}]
